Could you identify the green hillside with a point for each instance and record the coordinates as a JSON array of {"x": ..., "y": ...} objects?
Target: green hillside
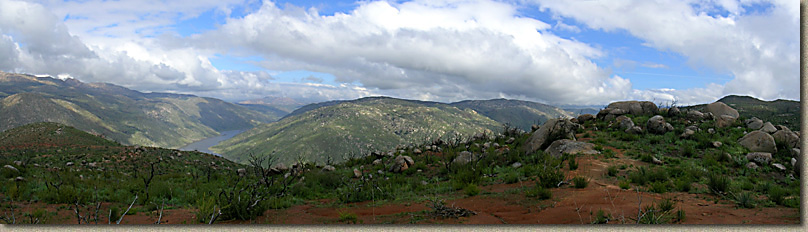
[
  {"x": 353, "y": 128},
  {"x": 124, "y": 115},
  {"x": 521, "y": 114}
]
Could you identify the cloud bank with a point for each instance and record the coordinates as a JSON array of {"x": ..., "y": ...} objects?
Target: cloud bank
[{"x": 426, "y": 50}]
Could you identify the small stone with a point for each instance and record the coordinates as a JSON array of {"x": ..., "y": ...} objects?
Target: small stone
[
  {"x": 19, "y": 178},
  {"x": 711, "y": 131},
  {"x": 417, "y": 151},
  {"x": 656, "y": 161},
  {"x": 423, "y": 182},
  {"x": 69, "y": 164},
  {"x": 377, "y": 162},
  {"x": 516, "y": 165},
  {"x": 768, "y": 128},
  {"x": 751, "y": 165},
  {"x": 717, "y": 144},
  {"x": 779, "y": 167},
  {"x": 510, "y": 140},
  {"x": 495, "y": 145},
  {"x": 357, "y": 173},
  {"x": 380, "y": 172},
  {"x": 18, "y": 163},
  {"x": 329, "y": 168},
  {"x": 12, "y": 168}
]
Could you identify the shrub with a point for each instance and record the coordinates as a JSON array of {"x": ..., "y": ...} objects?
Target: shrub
[
  {"x": 471, "y": 190},
  {"x": 580, "y": 182},
  {"x": 666, "y": 205},
  {"x": 682, "y": 185},
  {"x": 659, "y": 187},
  {"x": 601, "y": 217},
  {"x": 204, "y": 206},
  {"x": 348, "y": 217},
  {"x": 680, "y": 215},
  {"x": 718, "y": 183},
  {"x": 745, "y": 200},
  {"x": 611, "y": 171},
  {"x": 550, "y": 177},
  {"x": 777, "y": 194},
  {"x": 540, "y": 192},
  {"x": 572, "y": 163},
  {"x": 624, "y": 185}
]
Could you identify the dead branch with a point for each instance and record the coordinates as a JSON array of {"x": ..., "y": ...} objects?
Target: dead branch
[{"x": 127, "y": 210}]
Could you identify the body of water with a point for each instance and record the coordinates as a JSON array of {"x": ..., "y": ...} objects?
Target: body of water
[{"x": 205, "y": 144}]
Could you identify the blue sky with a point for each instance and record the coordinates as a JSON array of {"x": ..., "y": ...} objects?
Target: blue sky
[{"x": 558, "y": 52}]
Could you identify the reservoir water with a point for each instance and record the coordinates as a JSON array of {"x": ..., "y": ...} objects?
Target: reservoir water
[{"x": 205, "y": 144}]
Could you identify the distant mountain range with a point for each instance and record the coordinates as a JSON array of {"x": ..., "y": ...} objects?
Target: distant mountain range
[
  {"x": 127, "y": 116},
  {"x": 520, "y": 114}
]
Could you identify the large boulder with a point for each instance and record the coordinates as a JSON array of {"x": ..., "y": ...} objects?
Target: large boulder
[
  {"x": 658, "y": 125},
  {"x": 786, "y": 138},
  {"x": 624, "y": 123},
  {"x": 465, "y": 157},
  {"x": 585, "y": 117},
  {"x": 615, "y": 109},
  {"x": 759, "y": 157},
  {"x": 695, "y": 115},
  {"x": 724, "y": 121},
  {"x": 567, "y": 146},
  {"x": 552, "y": 130},
  {"x": 758, "y": 141},
  {"x": 754, "y": 123},
  {"x": 402, "y": 163},
  {"x": 768, "y": 128},
  {"x": 634, "y": 130},
  {"x": 719, "y": 108},
  {"x": 635, "y": 107},
  {"x": 674, "y": 111}
]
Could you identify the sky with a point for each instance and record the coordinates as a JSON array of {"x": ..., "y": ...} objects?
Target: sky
[{"x": 550, "y": 51}]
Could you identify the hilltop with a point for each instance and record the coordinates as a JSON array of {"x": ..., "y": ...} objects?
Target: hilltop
[
  {"x": 118, "y": 113},
  {"x": 334, "y": 131},
  {"x": 783, "y": 112},
  {"x": 519, "y": 114}
]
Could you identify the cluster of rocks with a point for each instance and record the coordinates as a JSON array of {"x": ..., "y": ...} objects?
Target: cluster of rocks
[{"x": 763, "y": 143}]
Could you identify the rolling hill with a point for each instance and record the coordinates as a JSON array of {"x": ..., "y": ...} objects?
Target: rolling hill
[
  {"x": 521, "y": 114},
  {"x": 355, "y": 127},
  {"x": 127, "y": 116}
]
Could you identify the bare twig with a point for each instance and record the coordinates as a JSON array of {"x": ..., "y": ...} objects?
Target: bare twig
[
  {"x": 215, "y": 215},
  {"x": 127, "y": 210},
  {"x": 163, "y": 206}
]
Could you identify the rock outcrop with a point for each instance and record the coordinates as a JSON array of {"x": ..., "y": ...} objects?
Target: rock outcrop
[
  {"x": 552, "y": 130},
  {"x": 566, "y": 146}
]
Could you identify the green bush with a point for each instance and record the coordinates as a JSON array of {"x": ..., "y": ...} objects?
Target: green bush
[
  {"x": 717, "y": 183},
  {"x": 659, "y": 187},
  {"x": 601, "y": 217},
  {"x": 204, "y": 208},
  {"x": 471, "y": 190},
  {"x": 572, "y": 163},
  {"x": 745, "y": 200},
  {"x": 348, "y": 217},
  {"x": 777, "y": 194},
  {"x": 611, "y": 171},
  {"x": 550, "y": 177},
  {"x": 540, "y": 192},
  {"x": 666, "y": 205},
  {"x": 580, "y": 182},
  {"x": 624, "y": 185}
]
